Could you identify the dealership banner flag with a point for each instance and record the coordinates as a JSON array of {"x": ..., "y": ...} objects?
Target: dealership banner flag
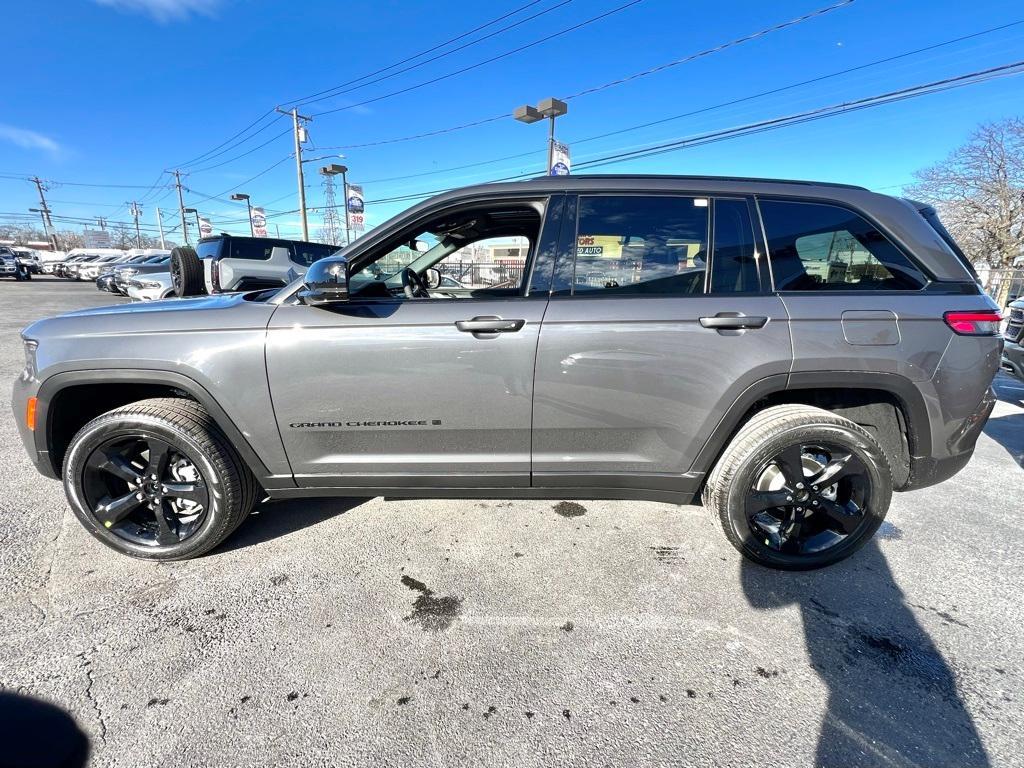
[
  {"x": 205, "y": 227},
  {"x": 354, "y": 203},
  {"x": 259, "y": 222},
  {"x": 560, "y": 159}
]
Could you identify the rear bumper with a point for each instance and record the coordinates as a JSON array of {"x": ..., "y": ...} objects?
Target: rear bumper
[
  {"x": 932, "y": 470},
  {"x": 1012, "y": 360}
]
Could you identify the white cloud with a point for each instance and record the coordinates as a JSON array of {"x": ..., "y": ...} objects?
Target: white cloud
[
  {"x": 23, "y": 137},
  {"x": 165, "y": 10}
]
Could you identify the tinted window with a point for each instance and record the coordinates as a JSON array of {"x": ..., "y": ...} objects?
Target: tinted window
[
  {"x": 734, "y": 262},
  {"x": 640, "y": 245},
  {"x": 307, "y": 253},
  {"x": 209, "y": 249},
  {"x": 814, "y": 246},
  {"x": 257, "y": 250}
]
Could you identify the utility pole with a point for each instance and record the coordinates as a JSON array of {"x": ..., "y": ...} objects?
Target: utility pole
[
  {"x": 181, "y": 206},
  {"x": 47, "y": 222},
  {"x": 299, "y": 138},
  {"x": 136, "y": 212},
  {"x": 102, "y": 221},
  {"x": 160, "y": 226}
]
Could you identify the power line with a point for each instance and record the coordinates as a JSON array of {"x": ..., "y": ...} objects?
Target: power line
[
  {"x": 273, "y": 138},
  {"x": 635, "y": 76},
  {"x": 197, "y": 158},
  {"x": 224, "y": 146},
  {"x": 702, "y": 110},
  {"x": 498, "y": 57},
  {"x": 949, "y": 83},
  {"x": 353, "y": 85},
  {"x": 922, "y": 89}
]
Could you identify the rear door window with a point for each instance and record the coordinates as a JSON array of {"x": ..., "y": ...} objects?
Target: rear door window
[
  {"x": 823, "y": 247},
  {"x": 636, "y": 245}
]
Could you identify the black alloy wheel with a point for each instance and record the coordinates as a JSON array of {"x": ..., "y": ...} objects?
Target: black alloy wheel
[
  {"x": 144, "y": 490},
  {"x": 808, "y": 498},
  {"x": 799, "y": 487}
]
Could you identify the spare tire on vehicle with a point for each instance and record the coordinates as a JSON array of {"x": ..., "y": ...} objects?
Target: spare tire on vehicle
[{"x": 187, "y": 272}]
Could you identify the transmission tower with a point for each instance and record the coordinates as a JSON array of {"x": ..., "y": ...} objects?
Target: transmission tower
[{"x": 331, "y": 230}]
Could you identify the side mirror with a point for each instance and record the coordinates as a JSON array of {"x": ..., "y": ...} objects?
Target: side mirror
[
  {"x": 432, "y": 277},
  {"x": 419, "y": 246},
  {"x": 326, "y": 281}
]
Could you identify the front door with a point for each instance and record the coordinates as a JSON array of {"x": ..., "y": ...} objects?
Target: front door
[
  {"x": 660, "y": 317},
  {"x": 428, "y": 390}
]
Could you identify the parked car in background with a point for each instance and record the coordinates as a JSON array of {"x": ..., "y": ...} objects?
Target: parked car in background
[
  {"x": 151, "y": 287},
  {"x": 48, "y": 259},
  {"x": 134, "y": 257},
  {"x": 151, "y": 266},
  {"x": 226, "y": 263},
  {"x": 10, "y": 265},
  {"x": 789, "y": 352},
  {"x": 90, "y": 270},
  {"x": 78, "y": 256},
  {"x": 28, "y": 258},
  {"x": 1013, "y": 340}
]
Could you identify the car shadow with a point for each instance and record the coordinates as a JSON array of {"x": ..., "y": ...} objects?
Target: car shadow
[
  {"x": 1008, "y": 431},
  {"x": 273, "y": 519},
  {"x": 1009, "y": 390},
  {"x": 892, "y": 698}
]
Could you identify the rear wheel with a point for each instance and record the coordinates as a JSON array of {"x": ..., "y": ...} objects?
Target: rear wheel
[
  {"x": 800, "y": 488},
  {"x": 187, "y": 272},
  {"x": 157, "y": 479}
]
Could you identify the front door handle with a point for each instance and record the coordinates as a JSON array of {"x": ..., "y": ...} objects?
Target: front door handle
[
  {"x": 733, "y": 321},
  {"x": 488, "y": 324}
]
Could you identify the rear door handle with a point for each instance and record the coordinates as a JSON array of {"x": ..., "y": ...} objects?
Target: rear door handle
[
  {"x": 733, "y": 321},
  {"x": 487, "y": 324}
]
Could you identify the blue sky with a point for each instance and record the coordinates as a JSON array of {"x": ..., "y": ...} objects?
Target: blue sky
[{"x": 112, "y": 92}]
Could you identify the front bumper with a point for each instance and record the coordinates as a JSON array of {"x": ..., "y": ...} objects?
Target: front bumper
[
  {"x": 1012, "y": 360},
  {"x": 26, "y": 386},
  {"x": 145, "y": 294}
]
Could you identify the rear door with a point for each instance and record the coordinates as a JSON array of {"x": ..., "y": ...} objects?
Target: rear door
[{"x": 660, "y": 317}]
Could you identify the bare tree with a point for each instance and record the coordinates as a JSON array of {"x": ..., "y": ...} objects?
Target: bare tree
[{"x": 979, "y": 193}]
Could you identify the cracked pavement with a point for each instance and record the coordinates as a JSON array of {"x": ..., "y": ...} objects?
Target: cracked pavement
[{"x": 526, "y": 633}]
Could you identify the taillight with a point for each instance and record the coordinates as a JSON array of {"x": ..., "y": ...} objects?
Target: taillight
[
  {"x": 983, "y": 322},
  {"x": 215, "y": 276}
]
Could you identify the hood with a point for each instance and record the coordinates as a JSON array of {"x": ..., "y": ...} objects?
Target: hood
[
  {"x": 220, "y": 301},
  {"x": 202, "y": 313}
]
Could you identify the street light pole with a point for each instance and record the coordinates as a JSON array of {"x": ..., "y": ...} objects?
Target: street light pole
[
  {"x": 160, "y": 226},
  {"x": 335, "y": 170},
  {"x": 549, "y": 108},
  {"x": 248, "y": 205}
]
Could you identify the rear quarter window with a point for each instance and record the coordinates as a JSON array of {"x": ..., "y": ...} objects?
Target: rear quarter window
[{"x": 823, "y": 247}]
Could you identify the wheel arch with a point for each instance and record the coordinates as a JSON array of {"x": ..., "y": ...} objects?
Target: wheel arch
[
  {"x": 67, "y": 401},
  {"x": 889, "y": 405}
]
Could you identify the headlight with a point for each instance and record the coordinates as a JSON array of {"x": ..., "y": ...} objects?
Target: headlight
[
  {"x": 147, "y": 283},
  {"x": 31, "y": 345}
]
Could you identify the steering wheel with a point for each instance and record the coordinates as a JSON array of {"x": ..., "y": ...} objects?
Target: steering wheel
[{"x": 413, "y": 285}]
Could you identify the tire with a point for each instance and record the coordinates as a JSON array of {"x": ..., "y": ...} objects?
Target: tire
[
  {"x": 194, "y": 443},
  {"x": 187, "y": 272},
  {"x": 756, "y": 468}
]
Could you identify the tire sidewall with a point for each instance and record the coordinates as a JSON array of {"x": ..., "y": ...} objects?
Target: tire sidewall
[
  {"x": 879, "y": 475},
  {"x": 100, "y": 431}
]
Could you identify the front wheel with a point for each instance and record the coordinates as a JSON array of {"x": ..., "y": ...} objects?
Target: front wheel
[
  {"x": 158, "y": 480},
  {"x": 800, "y": 488}
]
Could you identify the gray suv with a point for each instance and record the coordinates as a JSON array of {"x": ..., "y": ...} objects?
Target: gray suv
[{"x": 789, "y": 352}]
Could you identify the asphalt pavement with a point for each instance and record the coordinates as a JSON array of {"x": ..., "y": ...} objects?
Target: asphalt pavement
[{"x": 519, "y": 633}]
